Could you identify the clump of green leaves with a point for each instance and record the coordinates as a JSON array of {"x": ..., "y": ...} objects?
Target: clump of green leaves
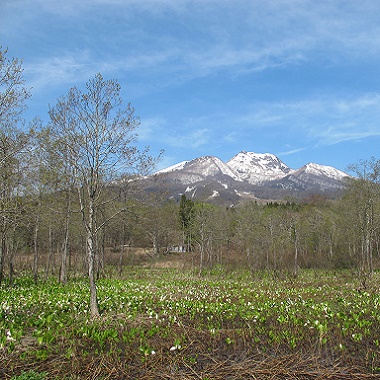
[{"x": 30, "y": 375}]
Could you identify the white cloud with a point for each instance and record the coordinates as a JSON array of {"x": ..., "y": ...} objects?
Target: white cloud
[
  {"x": 231, "y": 137},
  {"x": 346, "y": 132},
  {"x": 291, "y": 151},
  {"x": 149, "y": 127},
  {"x": 194, "y": 139},
  {"x": 53, "y": 71},
  {"x": 239, "y": 36},
  {"x": 321, "y": 121}
]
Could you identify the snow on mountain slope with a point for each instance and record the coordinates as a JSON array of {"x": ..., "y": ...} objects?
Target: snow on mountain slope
[
  {"x": 248, "y": 175},
  {"x": 312, "y": 178},
  {"x": 323, "y": 170},
  {"x": 258, "y": 167},
  {"x": 172, "y": 168},
  {"x": 210, "y": 166}
]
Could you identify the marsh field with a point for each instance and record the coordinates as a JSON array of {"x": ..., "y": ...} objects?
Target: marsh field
[{"x": 161, "y": 320}]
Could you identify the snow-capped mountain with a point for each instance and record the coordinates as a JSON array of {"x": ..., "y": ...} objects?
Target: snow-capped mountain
[
  {"x": 172, "y": 168},
  {"x": 246, "y": 175},
  {"x": 258, "y": 167},
  {"x": 199, "y": 169},
  {"x": 210, "y": 166},
  {"x": 323, "y": 170},
  {"x": 311, "y": 178}
]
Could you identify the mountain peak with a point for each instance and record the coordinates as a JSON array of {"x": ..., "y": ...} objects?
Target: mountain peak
[
  {"x": 258, "y": 167},
  {"x": 324, "y": 170},
  {"x": 210, "y": 166}
]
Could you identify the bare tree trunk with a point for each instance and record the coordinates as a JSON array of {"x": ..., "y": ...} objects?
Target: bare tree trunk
[
  {"x": 12, "y": 252},
  {"x": 94, "y": 307},
  {"x": 295, "y": 252},
  {"x": 72, "y": 258},
  {"x": 122, "y": 251},
  {"x": 11, "y": 268},
  {"x": 65, "y": 248},
  {"x": 36, "y": 258},
  {"x": 273, "y": 245},
  {"x": 102, "y": 252},
  {"x": 131, "y": 249},
  {"x": 121, "y": 259},
  {"x": 2, "y": 255},
  {"x": 209, "y": 251},
  {"x": 50, "y": 260},
  {"x": 201, "y": 249},
  {"x": 91, "y": 275}
]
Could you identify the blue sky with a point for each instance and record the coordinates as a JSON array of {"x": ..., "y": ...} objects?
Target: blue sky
[{"x": 296, "y": 78}]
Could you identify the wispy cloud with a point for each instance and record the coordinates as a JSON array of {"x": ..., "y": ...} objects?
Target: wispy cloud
[
  {"x": 231, "y": 137},
  {"x": 321, "y": 121},
  {"x": 67, "y": 69},
  {"x": 149, "y": 127},
  {"x": 292, "y": 151},
  {"x": 206, "y": 36},
  {"x": 194, "y": 139},
  {"x": 346, "y": 132}
]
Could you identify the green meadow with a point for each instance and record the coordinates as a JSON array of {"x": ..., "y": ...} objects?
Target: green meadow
[{"x": 160, "y": 323}]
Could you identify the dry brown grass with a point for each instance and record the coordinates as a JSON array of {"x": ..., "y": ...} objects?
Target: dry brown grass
[
  {"x": 203, "y": 357},
  {"x": 208, "y": 366}
]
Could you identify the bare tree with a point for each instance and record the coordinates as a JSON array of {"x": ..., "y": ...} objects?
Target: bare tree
[
  {"x": 13, "y": 94},
  {"x": 99, "y": 136},
  {"x": 363, "y": 196},
  {"x": 13, "y": 141}
]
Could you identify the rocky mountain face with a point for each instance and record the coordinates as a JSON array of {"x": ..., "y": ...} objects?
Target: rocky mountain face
[{"x": 247, "y": 175}]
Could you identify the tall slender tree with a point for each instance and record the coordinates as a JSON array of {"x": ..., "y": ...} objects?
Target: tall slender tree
[{"x": 97, "y": 137}]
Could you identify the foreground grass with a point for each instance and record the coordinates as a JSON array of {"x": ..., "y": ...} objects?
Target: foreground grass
[{"x": 162, "y": 324}]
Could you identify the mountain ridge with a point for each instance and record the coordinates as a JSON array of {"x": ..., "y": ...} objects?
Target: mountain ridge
[{"x": 248, "y": 175}]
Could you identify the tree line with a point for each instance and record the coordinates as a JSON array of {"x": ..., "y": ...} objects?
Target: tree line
[{"x": 67, "y": 199}]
